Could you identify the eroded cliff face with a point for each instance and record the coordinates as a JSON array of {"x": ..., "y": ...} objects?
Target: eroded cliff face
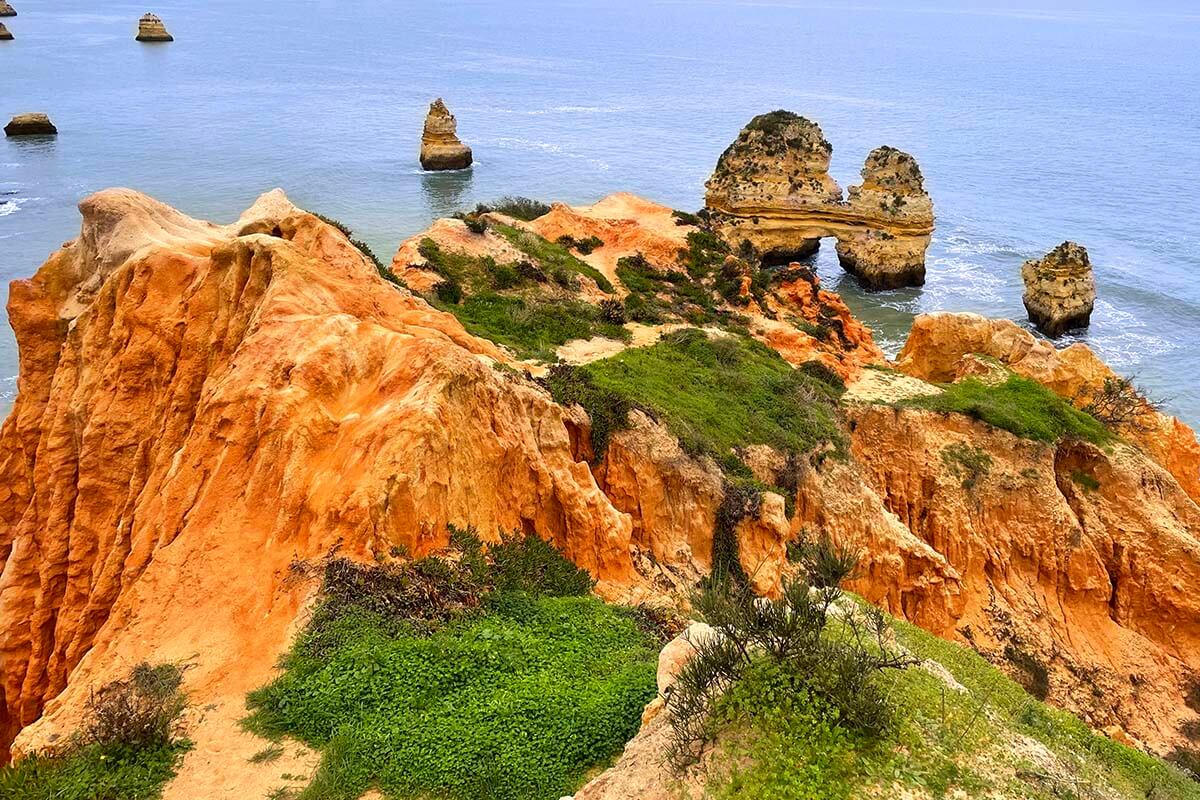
[
  {"x": 1079, "y": 568},
  {"x": 198, "y": 408},
  {"x": 772, "y": 188},
  {"x": 1060, "y": 289}
]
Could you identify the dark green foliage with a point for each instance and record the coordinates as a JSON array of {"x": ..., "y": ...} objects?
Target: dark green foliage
[
  {"x": 1032, "y": 673},
  {"x": 124, "y": 750},
  {"x": 1188, "y": 760},
  {"x": 449, "y": 291},
  {"x": 504, "y": 276},
  {"x": 585, "y": 246},
  {"x": 608, "y": 410},
  {"x": 790, "y": 638},
  {"x": 686, "y": 218},
  {"x": 827, "y": 564},
  {"x": 1119, "y": 403},
  {"x": 738, "y": 392},
  {"x": 612, "y": 311},
  {"x": 968, "y": 464},
  {"x": 661, "y": 625},
  {"x": 515, "y": 694},
  {"x": 773, "y": 122},
  {"x": 1019, "y": 405},
  {"x": 824, "y": 373},
  {"x": 475, "y": 224},
  {"x": 532, "y": 565},
  {"x": 1085, "y": 480},
  {"x": 519, "y": 207},
  {"x": 740, "y": 501},
  {"x": 821, "y": 333}
]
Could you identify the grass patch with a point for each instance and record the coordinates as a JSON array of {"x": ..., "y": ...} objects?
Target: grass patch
[
  {"x": 968, "y": 464},
  {"x": 532, "y": 328},
  {"x": 553, "y": 257},
  {"x": 1085, "y": 480},
  {"x": 1019, "y": 405},
  {"x": 719, "y": 394},
  {"x": 481, "y": 675},
  {"x": 125, "y": 748}
]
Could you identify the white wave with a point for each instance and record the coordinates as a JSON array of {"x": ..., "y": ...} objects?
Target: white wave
[{"x": 517, "y": 143}]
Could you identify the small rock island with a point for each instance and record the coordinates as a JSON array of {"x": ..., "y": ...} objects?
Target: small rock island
[
  {"x": 772, "y": 188},
  {"x": 152, "y": 29},
  {"x": 37, "y": 124},
  {"x": 1060, "y": 289},
  {"x": 440, "y": 145},
  {"x": 7, "y": 10},
  {"x": 5, "y": 34}
]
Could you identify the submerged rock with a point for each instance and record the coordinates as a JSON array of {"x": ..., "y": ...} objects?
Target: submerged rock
[
  {"x": 772, "y": 188},
  {"x": 152, "y": 29},
  {"x": 1060, "y": 289},
  {"x": 37, "y": 124},
  {"x": 440, "y": 145},
  {"x": 7, "y": 10},
  {"x": 5, "y": 34}
]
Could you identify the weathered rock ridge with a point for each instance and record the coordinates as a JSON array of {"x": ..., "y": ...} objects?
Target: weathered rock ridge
[
  {"x": 1060, "y": 289},
  {"x": 440, "y": 146},
  {"x": 152, "y": 29},
  {"x": 772, "y": 188}
]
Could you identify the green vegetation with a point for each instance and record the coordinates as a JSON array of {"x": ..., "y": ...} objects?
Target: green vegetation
[
  {"x": 967, "y": 463},
  {"x": 1019, "y": 405},
  {"x": 553, "y": 258},
  {"x": 125, "y": 749},
  {"x": 822, "y": 707},
  {"x": 518, "y": 207},
  {"x": 384, "y": 271},
  {"x": 532, "y": 322},
  {"x": 718, "y": 394},
  {"x": 585, "y": 245},
  {"x": 479, "y": 675}
]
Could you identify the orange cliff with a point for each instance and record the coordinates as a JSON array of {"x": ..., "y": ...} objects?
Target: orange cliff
[{"x": 199, "y": 406}]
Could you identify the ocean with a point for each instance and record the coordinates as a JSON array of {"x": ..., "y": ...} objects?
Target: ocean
[{"x": 1032, "y": 124}]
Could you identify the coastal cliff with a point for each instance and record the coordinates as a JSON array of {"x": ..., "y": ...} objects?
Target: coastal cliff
[{"x": 205, "y": 409}]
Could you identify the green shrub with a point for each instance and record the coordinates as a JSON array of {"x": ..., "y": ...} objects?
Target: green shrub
[
  {"x": 1085, "y": 480},
  {"x": 612, "y": 311},
  {"x": 476, "y": 225},
  {"x": 791, "y": 638},
  {"x": 1021, "y": 406},
  {"x": 518, "y": 207},
  {"x": 533, "y": 328},
  {"x": 824, "y": 373},
  {"x": 686, "y": 218},
  {"x": 449, "y": 291},
  {"x": 516, "y": 694}
]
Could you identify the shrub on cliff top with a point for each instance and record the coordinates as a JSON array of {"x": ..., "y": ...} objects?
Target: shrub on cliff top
[
  {"x": 1019, "y": 405},
  {"x": 522, "y": 208},
  {"x": 521, "y": 686}
]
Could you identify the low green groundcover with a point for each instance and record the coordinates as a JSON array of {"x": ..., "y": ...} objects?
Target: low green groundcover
[
  {"x": 518, "y": 698},
  {"x": 95, "y": 772}
]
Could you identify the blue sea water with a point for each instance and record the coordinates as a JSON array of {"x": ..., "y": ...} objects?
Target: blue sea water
[{"x": 1033, "y": 123}]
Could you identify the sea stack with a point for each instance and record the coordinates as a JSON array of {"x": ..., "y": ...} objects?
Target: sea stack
[
  {"x": 772, "y": 188},
  {"x": 5, "y": 34},
  {"x": 1060, "y": 289},
  {"x": 7, "y": 10},
  {"x": 891, "y": 254},
  {"x": 440, "y": 146},
  {"x": 30, "y": 125},
  {"x": 151, "y": 29}
]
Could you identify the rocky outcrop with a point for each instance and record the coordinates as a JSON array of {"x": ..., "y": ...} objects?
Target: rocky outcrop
[
  {"x": 440, "y": 146},
  {"x": 199, "y": 406},
  {"x": 894, "y": 192},
  {"x": 1078, "y": 568},
  {"x": 5, "y": 33},
  {"x": 1060, "y": 289},
  {"x": 6, "y": 10},
  {"x": 152, "y": 29},
  {"x": 37, "y": 124},
  {"x": 938, "y": 344},
  {"x": 772, "y": 188}
]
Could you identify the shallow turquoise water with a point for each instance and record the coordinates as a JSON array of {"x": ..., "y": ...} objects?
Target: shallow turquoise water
[{"x": 1078, "y": 120}]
